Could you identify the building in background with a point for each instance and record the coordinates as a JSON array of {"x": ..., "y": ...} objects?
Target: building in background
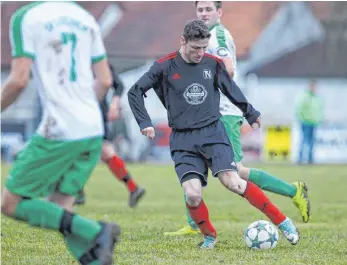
[
  {"x": 280, "y": 45},
  {"x": 277, "y": 84}
]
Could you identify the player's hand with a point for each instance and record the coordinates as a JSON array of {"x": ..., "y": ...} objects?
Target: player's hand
[
  {"x": 257, "y": 124},
  {"x": 149, "y": 132},
  {"x": 114, "y": 110}
]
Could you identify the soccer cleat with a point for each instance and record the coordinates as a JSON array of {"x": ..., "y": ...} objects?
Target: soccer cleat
[
  {"x": 185, "y": 231},
  {"x": 290, "y": 231},
  {"x": 136, "y": 196},
  {"x": 301, "y": 200},
  {"x": 209, "y": 242},
  {"x": 104, "y": 245}
]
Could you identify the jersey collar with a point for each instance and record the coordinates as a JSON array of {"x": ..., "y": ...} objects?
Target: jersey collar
[{"x": 213, "y": 26}]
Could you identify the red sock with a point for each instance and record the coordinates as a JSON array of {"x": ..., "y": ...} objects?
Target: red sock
[
  {"x": 258, "y": 199},
  {"x": 200, "y": 216},
  {"x": 117, "y": 166}
]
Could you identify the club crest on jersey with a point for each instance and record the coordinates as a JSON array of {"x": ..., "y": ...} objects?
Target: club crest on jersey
[
  {"x": 207, "y": 74},
  {"x": 195, "y": 94},
  {"x": 222, "y": 52}
]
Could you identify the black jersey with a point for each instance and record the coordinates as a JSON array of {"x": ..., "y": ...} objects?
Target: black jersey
[{"x": 188, "y": 91}]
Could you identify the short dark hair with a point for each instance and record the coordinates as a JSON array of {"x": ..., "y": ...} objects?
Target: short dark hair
[
  {"x": 196, "y": 30},
  {"x": 217, "y": 4}
]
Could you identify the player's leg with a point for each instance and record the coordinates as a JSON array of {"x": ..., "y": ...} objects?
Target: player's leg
[
  {"x": 256, "y": 197},
  {"x": 81, "y": 199},
  {"x": 262, "y": 179},
  {"x": 76, "y": 245},
  {"x": 298, "y": 191},
  {"x": 221, "y": 159},
  {"x": 36, "y": 172},
  {"x": 45, "y": 214},
  {"x": 198, "y": 210},
  {"x": 192, "y": 172},
  {"x": 301, "y": 146},
  {"x": 119, "y": 170},
  {"x": 73, "y": 181},
  {"x": 191, "y": 228},
  {"x": 310, "y": 143},
  {"x": 303, "y": 143},
  {"x": 266, "y": 181}
]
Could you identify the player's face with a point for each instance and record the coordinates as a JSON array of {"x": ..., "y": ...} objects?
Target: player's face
[
  {"x": 207, "y": 12},
  {"x": 194, "y": 50}
]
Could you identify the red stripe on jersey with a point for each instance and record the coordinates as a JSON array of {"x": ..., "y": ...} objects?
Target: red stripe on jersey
[
  {"x": 167, "y": 57},
  {"x": 214, "y": 57}
]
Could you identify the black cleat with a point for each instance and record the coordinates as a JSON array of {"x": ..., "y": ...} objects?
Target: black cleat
[
  {"x": 104, "y": 245},
  {"x": 136, "y": 196}
]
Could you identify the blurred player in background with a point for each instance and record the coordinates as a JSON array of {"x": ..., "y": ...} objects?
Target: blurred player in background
[
  {"x": 310, "y": 114},
  {"x": 62, "y": 44},
  {"x": 222, "y": 45},
  {"x": 187, "y": 82},
  {"x": 110, "y": 113}
]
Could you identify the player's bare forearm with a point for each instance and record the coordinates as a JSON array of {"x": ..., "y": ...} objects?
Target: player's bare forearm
[
  {"x": 100, "y": 91},
  {"x": 10, "y": 92},
  {"x": 115, "y": 103},
  {"x": 16, "y": 82},
  {"x": 103, "y": 79},
  {"x": 114, "y": 110}
]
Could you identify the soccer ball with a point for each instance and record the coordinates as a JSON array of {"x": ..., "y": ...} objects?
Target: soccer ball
[{"x": 261, "y": 235}]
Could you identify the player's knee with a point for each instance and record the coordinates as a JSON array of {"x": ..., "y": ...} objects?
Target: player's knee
[
  {"x": 193, "y": 190},
  {"x": 9, "y": 203},
  {"x": 194, "y": 199},
  {"x": 64, "y": 201},
  {"x": 107, "y": 151},
  {"x": 232, "y": 181},
  {"x": 6, "y": 208},
  {"x": 243, "y": 171}
]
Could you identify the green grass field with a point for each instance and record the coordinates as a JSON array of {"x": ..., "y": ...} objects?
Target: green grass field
[{"x": 323, "y": 241}]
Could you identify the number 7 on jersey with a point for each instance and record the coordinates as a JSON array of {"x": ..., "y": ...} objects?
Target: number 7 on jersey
[{"x": 68, "y": 38}]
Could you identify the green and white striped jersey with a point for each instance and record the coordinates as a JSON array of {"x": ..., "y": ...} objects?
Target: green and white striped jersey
[
  {"x": 63, "y": 40},
  {"x": 222, "y": 45}
]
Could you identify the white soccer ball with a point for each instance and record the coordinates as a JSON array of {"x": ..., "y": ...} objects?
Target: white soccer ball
[{"x": 261, "y": 235}]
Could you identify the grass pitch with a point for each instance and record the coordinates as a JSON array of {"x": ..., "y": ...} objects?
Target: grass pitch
[{"x": 323, "y": 239}]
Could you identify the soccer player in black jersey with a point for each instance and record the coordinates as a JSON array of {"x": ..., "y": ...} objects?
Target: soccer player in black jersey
[{"x": 187, "y": 83}]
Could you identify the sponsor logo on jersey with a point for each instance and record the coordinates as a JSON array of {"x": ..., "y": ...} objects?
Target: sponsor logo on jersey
[{"x": 195, "y": 94}]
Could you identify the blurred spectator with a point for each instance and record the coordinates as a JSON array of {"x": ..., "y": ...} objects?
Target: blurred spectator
[{"x": 310, "y": 114}]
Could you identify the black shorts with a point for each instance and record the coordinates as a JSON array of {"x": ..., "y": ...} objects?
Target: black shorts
[
  {"x": 104, "y": 111},
  {"x": 194, "y": 151}
]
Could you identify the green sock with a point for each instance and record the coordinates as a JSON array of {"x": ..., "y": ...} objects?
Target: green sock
[
  {"x": 190, "y": 220},
  {"x": 270, "y": 183},
  {"x": 48, "y": 215},
  {"x": 39, "y": 213},
  {"x": 87, "y": 229}
]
